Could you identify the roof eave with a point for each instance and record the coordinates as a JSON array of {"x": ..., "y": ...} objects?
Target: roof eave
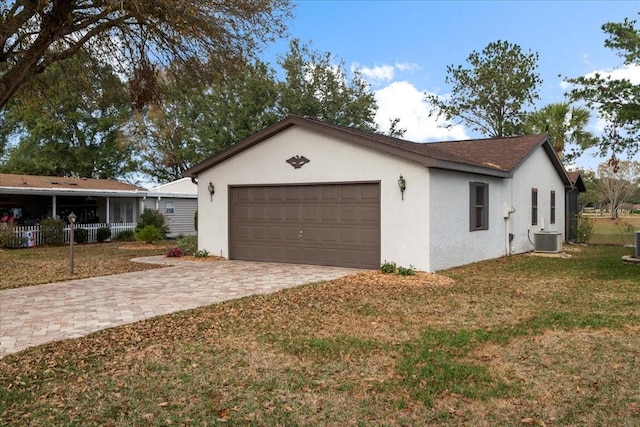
[
  {"x": 72, "y": 191},
  {"x": 291, "y": 121}
]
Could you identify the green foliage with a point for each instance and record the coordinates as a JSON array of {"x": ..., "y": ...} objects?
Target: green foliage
[
  {"x": 131, "y": 36},
  {"x": 149, "y": 234},
  {"x": 188, "y": 244},
  {"x": 194, "y": 121},
  {"x": 615, "y": 99},
  {"x": 564, "y": 124},
  {"x": 315, "y": 87},
  {"x": 125, "y": 236},
  {"x": 202, "y": 253},
  {"x": 103, "y": 234},
  {"x": 155, "y": 218},
  {"x": 79, "y": 136},
  {"x": 80, "y": 235},
  {"x": 585, "y": 229},
  {"x": 52, "y": 231},
  {"x": 388, "y": 267},
  {"x": 8, "y": 238},
  {"x": 406, "y": 271},
  {"x": 491, "y": 96}
]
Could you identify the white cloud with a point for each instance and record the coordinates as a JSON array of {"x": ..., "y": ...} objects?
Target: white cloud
[
  {"x": 630, "y": 72},
  {"x": 403, "y": 100},
  {"x": 377, "y": 74},
  {"x": 407, "y": 66}
]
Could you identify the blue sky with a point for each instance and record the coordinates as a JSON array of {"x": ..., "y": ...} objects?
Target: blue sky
[{"x": 404, "y": 47}]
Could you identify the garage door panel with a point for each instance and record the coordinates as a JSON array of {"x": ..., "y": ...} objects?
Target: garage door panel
[
  {"x": 349, "y": 235},
  {"x": 329, "y": 213},
  {"x": 370, "y": 214},
  {"x": 370, "y": 193},
  {"x": 275, "y": 233},
  {"x": 276, "y": 213},
  {"x": 369, "y": 236},
  {"x": 329, "y": 235},
  {"x": 258, "y": 233},
  {"x": 293, "y": 213},
  {"x": 340, "y": 224},
  {"x": 242, "y": 213}
]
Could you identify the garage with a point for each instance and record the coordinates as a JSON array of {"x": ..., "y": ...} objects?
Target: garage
[{"x": 322, "y": 224}]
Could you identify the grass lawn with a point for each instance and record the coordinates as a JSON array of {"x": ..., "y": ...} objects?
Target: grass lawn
[
  {"x": 36, "y": 266},
  {"x": 522, "y": 340},
  {"x": 621, "y": 231}
]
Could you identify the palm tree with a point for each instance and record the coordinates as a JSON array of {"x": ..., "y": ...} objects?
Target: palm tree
[{"x": 564, "y": 124}]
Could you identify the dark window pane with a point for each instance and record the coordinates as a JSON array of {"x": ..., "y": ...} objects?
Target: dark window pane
[
  {"x": 479, "y": 217},
  {"x": 480, "y": 195}
]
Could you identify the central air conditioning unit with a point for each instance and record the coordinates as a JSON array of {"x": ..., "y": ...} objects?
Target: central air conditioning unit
[{"x": 547, "y": 241}]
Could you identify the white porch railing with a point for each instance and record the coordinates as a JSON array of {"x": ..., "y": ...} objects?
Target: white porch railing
[{"x": 31, "y": 235}]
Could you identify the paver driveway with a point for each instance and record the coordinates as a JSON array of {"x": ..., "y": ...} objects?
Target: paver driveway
[{"x": 35, "y": 315}]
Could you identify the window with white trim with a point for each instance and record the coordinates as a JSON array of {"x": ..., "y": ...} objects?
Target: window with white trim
[
  {"x": 170, "y": 207},
  {"x": 552, "y": 214}
]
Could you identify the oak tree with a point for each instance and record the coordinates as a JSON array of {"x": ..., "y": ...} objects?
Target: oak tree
[{"x": 135, "y": 35}]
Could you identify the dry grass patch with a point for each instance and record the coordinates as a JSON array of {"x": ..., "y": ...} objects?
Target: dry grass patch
[
  {"x": 40, "y": 265},
  {"x": 515, "y": 341}
]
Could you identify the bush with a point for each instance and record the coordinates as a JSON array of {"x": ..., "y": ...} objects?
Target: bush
[
  {"x": 8, "y": 238},
  {"x": 104, "y": 234},
  {"x": 174, "y": 253},
  {"x": 406, "y": 271},
  {"x": 203, "y": 253},
  {"x": 149, "y": 234},
  {"x": 195, "y": 220},
  {"x": 154, "y": 218},
  {"x": 52, "y": 231},
  {"x": 80, "y": 235},
  {"x": 125, "y": 236},
  {"x": 584, "y": 230},
  {"x": 388, "y": 267},
  {"x": 188, "y": 245}
]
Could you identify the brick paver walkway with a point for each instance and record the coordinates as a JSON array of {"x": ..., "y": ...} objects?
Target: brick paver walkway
[{"x": 36, "y": 315}]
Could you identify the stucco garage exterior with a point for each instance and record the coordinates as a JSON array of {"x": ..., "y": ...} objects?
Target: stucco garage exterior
[{"x": 269, "y": 204}]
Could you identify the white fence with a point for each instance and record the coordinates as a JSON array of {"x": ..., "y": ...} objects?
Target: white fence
[{"x": 31, "y": 235}]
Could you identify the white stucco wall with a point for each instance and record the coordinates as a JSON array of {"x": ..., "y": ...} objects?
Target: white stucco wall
[
  {"x": 452, "y": 243},
  {"x": 536, "y": 172},
  {"x": 404, "y": 224}
]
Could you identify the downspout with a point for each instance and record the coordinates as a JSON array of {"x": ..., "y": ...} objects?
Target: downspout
[{"x": 54, "y": 209}]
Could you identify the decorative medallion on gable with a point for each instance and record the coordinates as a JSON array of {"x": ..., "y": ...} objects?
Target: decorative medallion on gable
[{"x": 298, "y": 161}]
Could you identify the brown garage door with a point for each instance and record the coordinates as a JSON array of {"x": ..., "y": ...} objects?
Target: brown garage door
[{"x": 332, "y": 224}]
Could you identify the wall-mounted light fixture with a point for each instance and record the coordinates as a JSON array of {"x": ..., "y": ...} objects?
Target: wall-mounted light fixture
[
  {"x": 211, "y": 189},
  {"x": 402, "y": 183}
]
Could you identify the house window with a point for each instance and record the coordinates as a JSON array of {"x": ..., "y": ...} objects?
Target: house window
[
  {"x": 478, "y": 206},
  {"x": 552, "y": 214},
  {"x": 169, "y": 208},
  {"x": 534, "y": 206}
]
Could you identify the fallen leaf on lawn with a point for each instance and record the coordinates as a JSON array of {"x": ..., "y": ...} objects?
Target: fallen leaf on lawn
[{"x": 163, "y": 404}]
